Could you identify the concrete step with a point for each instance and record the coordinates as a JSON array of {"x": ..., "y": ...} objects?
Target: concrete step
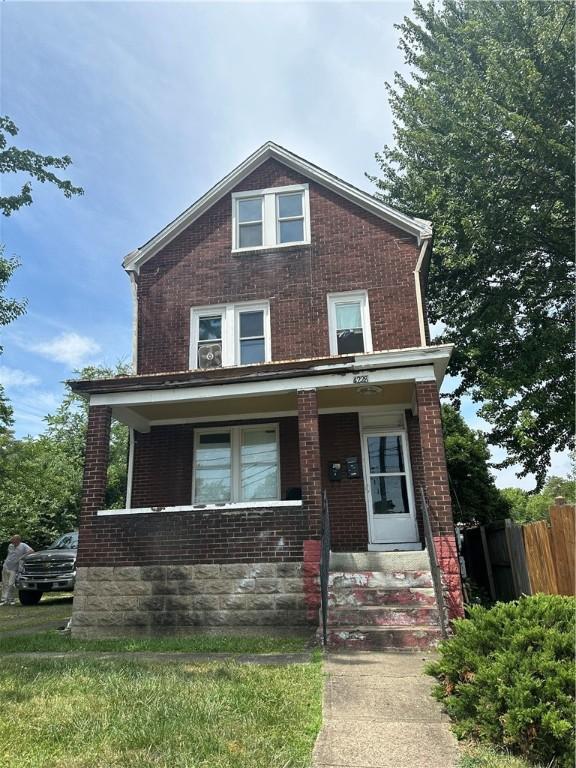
[
  {"x": 382, "y": 616},
  {"x": 380, "y": 561},
  {"x": 400, "y": 579},
  {"x": 384, "y": 638},
  {"x": 416, "y": 596}
]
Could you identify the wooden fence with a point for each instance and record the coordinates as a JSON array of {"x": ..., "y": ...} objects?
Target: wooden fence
[{"x": 508, "y": 560}]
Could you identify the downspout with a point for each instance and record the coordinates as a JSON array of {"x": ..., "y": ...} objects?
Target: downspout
[
  {"x": 134, "y": 287},
  {"x": 420, "y": 292}
]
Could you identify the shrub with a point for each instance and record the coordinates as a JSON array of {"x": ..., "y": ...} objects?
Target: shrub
[{"x": 507, "y": 677}]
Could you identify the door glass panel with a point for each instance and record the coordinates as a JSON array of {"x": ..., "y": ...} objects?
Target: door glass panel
[
  {"x": 389, "y": 495},
  {"x": 385, "y": 454},
  {"x": 213, "y": 474},
  {"x": 259, "y": 465}
]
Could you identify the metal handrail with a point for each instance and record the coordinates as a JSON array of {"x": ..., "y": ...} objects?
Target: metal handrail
[
  {"x": 324, "y": 565},
  {"x": 434, "y": 568}
]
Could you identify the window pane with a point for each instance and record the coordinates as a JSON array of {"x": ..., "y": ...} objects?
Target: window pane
[
  {"x": 292, "y": 231},
  {"x": 389, "y": 495},
  {"x": 348, "y": 315},
  {"x": 290, "y": 205},
  {"x": 350, "y": 341},
  {"x": 385, "y": 454},
  {"x": 251, "y": 324},
  {"x": 252, "y": 351},
  {"x": 259, "y": 465},
  {"x": 250, "y": 235},
  {"x": 210, "y": 328},
  {"x": 213, "y": 475},
  {"x": 250, "y": 210}
]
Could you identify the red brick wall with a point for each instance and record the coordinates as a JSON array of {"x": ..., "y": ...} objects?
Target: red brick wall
[
  {"x": 351, "y": 249},
  {"x": 434, "y": 471},
  {"x": 339, "y": 440},
  {"x": 163, "y": 460},
  {"x": 96, "y": 460},
  {"x": 310, "y": 462},
  {"x": 160, "y": 538},
  {"x": 413, "y": 430}
]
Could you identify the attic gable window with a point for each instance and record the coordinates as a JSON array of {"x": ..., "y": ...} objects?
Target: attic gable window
[{"x": 270, "y": 218}]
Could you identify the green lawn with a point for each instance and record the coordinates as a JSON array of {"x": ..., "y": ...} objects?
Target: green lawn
[
  {"x": 479, "y": 756},
  {"x": 54, "y": 641},
  {"x": 51, "y": 608},
  {"x": 88, "y": 714}
]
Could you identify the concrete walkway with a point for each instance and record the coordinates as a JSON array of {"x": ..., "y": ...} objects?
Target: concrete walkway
[{"x": 378, "y": 713}]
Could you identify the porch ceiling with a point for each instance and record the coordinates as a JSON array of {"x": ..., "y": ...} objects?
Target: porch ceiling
[{"x": 141, "y": 416}]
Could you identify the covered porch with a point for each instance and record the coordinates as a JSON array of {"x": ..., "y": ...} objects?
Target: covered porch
[{"x": 274, "y": 440}]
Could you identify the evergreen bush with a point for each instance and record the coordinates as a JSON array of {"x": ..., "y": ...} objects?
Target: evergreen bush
[{"x": 506, "y": 676}]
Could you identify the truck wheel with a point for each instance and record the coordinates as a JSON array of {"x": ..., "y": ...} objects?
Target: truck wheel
[{"x": 29, "y": 596}]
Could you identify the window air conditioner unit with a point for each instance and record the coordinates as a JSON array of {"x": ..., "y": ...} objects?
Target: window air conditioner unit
[{"x": 210, "y": 356}]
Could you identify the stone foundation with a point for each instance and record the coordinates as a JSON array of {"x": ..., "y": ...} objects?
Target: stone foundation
[{"x": 186, "y": 599}]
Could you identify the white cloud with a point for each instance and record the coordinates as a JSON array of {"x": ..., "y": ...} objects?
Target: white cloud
[
  {"x": 14, "y": 377},
  {"x": 68, "y": 348}
]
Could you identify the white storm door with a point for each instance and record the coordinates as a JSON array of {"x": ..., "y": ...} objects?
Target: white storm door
[{"x": 388, "y": 484}]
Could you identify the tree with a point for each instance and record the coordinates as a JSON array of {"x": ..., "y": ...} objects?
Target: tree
[
  {"x": 475, "y": 498},
  {"x": 484, "y": 148},
  {"x": 41, "y": 488},
  {"x": 527, "y": 507},
  {"x": 23, "y": 161},
  {"x": 30, "y": 163}
]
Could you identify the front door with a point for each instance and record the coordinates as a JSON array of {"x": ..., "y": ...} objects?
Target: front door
[{"x": 388, "y": 486}]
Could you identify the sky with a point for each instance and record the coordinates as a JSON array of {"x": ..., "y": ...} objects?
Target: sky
[{"x": 155, "y": 102}]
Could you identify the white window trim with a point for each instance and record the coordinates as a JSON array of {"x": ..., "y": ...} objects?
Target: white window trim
[
  {"x": 270, "y": 219},
  {"x": 336, "y": 298},
  {"x": 235, "y": 466},
  {"x": 230, "y": 330}
]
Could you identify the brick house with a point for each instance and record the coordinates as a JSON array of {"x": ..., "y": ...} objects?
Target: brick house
[{"x": 281, "y": 349}]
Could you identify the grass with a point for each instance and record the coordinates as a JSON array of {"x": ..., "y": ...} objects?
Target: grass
[
  {"x": 93, "y": 714},
  {"x": 53, "y": 641},
  {"x": 51, "y": 608},
  {"x": 480, "y": 756}
]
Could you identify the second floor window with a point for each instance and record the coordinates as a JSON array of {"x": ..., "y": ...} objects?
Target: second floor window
[
  {"x": 349, "y": 323},
  {"x": 270, "y": 218},
  {"x": 230, "y": 334}
]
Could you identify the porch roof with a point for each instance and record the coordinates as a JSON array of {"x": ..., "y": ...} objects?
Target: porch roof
[
  {"x": 377, "y": 380},
  {"x": 436, "y": 356}
]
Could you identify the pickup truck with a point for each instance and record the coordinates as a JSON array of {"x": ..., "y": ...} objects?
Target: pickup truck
[{"x": 50, "y": 570}]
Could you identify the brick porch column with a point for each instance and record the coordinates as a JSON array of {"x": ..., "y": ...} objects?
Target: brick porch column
[
  {"x": 311, "y": 482},
  {"x": 310, "y": 467},
  {"x": 95, "y": 461},
  {"x": 435, "y": 477}
]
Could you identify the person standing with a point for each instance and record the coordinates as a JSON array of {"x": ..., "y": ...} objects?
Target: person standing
[{"x": 17, "y": 549}]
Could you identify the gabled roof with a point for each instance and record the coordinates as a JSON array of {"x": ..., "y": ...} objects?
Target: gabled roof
[{"x": 419, "y": 228}]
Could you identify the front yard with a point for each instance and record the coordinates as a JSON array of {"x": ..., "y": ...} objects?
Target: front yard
[
  {"x": 124, "y": 714},
  {"x": 94, "y": 713}
]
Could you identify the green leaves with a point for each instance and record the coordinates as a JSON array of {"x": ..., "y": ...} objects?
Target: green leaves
[
  {"x": 41, "y": 478},
  {"x": 484, "y": 148},
  {"x": 30, "y": 163},
  {"x": 507, "y": 676},
  {"x": 475, "y": 498}
]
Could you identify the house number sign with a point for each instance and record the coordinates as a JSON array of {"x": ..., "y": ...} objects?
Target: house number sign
[{"x": 361, "y": 379}]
